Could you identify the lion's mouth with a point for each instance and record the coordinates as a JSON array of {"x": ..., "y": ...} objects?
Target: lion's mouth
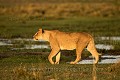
[{"x": 35, "y": 39}]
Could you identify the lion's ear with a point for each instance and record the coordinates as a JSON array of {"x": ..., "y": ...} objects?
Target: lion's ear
[{"x": 41, "y": 30}]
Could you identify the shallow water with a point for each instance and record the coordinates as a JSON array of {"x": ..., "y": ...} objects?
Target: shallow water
[
  {"x": 37, "y": 46},
  {"x": 4, "y": 43},
  {"x": 34, "y": 47},
  {"x": 105, "y": 59},
  {"x": 109, "y": 38},
  {"x": 103, "y": 46}
]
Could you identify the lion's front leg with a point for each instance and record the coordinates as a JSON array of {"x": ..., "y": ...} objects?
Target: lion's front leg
[
  {"x": 51, "y": 55},
  {"x": 58, "y": 58}
]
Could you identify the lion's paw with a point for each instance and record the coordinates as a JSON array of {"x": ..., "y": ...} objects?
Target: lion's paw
[
  {"x": 72, "y": 62},
  {"x": 56, "y": 62}
]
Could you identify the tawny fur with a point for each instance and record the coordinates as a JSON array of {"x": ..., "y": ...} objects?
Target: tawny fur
[{"x": 67, "y": 41}]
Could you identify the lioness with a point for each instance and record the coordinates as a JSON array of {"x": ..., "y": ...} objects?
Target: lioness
[{"x": 67, "y": 41}]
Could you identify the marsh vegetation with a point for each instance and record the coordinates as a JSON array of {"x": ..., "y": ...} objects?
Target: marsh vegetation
[{"x": 21, "y": 58}]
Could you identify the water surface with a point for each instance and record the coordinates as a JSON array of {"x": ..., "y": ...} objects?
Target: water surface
[{"x": 105, "y": 59}]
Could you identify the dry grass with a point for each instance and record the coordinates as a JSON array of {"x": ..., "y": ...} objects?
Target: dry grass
[
  {"x": 23, "y": 73},
  {"x": 57, "y": 10},
  {"x": 67, "y": 72}
]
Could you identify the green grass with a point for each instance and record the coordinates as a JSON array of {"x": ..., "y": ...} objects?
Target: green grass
[{"x": 27, "y": 28}]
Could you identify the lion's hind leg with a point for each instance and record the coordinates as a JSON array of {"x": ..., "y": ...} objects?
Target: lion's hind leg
[
  {"x": 79, "y": 48},
  {"x": 91, "y": 48}
]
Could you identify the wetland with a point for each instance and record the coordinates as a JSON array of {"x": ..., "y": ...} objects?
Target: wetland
[{"x": 21, "y": 58}]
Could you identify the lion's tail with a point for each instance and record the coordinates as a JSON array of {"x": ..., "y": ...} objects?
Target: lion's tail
[{"x": 92, "y": 49}]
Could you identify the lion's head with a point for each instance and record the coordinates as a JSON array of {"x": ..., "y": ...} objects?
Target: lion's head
[{"x": 38, "y": 35}]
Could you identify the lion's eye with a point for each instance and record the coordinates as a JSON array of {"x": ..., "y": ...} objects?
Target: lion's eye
[{"x": 36, "y": 33}]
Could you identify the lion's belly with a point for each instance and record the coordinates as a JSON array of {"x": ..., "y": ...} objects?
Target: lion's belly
[
  {"x": 67, "y": 41},
  {"x": 67, "y": 46}
]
